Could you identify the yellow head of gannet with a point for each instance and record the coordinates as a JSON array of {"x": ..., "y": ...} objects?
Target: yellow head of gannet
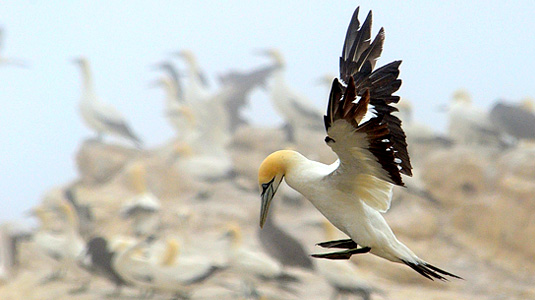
[
  {"x": 171, "y": 252},
  {"x": 462, "y": 96},
  {"x": 233, "y": 232},
  {"x": 68, "y": 211},
  {"x": 189, "y": 57},
  {"x": 138, "y": 175},
  {"x": 528, "y": 104},
  {"x": 270, "y": 175},
  {"x": 274, "y": 54}
]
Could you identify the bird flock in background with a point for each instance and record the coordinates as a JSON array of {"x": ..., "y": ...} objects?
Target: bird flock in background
[{"x": 363, "y": 127}]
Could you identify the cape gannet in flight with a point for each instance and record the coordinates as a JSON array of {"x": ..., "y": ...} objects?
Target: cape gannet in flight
[
  {"x": 353, "y": 192},
  {"x": 100, "y": 116}
]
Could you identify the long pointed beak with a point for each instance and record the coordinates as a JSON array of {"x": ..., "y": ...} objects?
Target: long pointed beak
[{"x": 268, "y": 191}]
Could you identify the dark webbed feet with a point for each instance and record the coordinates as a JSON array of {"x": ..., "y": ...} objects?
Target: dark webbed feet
[
  {"x": 346, "y": 254},
  {"x": 343, "y": 244}
]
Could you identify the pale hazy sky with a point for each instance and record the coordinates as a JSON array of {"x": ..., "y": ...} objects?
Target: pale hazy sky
[{"x": 484, "y": 46}]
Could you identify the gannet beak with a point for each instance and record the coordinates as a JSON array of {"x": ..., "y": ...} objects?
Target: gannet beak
[{"x": 268, "y": 191}]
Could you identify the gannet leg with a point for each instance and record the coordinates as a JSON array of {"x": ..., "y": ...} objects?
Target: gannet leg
[
  {"x": 342, "y": 254},
  {"x": 344, "y": 244}
]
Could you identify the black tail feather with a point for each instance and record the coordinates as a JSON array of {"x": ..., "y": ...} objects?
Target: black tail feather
[{"x": 429, "y": 271}]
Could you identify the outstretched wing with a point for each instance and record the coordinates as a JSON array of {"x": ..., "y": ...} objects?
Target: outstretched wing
[{"x": 364, "y": 134}]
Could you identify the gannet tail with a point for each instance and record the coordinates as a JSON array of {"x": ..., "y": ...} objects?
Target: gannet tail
[{"x": 429, "y": 271}]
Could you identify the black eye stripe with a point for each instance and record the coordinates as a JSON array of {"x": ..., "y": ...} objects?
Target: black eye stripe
[{"x": 329, "y": 139}]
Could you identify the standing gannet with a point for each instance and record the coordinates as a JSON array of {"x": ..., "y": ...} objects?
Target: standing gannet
[
  {"x": 296, "y": 110},
  {"x": 170, "y": 272},
  {"x": 143, "y": 209},
  {"x": 469, "y": 125},
  {"x": 174, "y": 75},
  {"x": 353, "y": 192},
  {"x": 248, "y": 263},
  {"x": 8, "y": 60},
  {"x": 196, "y": 89},
  {"x": 242, "y": 83},
  {"x": 100, "y": 116},
  {"x": 177, "y": 112},
  {"x": 282, "y": 246},
  {"x": 517, "y": 121},
  {"x": 65, "y": 246},
  {"x": 99, "y": 261}
]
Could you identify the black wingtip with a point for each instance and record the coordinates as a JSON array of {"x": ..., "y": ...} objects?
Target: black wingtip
[{"x": 429, "y": 271}]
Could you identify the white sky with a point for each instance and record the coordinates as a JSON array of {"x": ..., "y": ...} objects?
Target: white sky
[{"x": 487, "y": 48}]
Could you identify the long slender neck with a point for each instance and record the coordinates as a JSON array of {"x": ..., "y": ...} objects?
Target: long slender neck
[
  {"x": 170, "y": 92},
  {"x": 87, "y": 79}
]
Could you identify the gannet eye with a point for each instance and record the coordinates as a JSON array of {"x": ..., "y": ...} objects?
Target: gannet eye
[{"x": 329, "y": 139}]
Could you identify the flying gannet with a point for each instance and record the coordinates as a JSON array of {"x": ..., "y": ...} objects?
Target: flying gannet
[
  {"x": 100, "y": 116},
  {"x": 353, "y": 192}
]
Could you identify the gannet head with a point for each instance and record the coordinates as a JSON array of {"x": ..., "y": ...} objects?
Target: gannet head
[
  {"x": 189, "y": 57},
  {"x": 233, "y": 232},
  {"x": 138, "y": 175},
  {"x": 462, "y": 96},
  {"x": 274, "y": 54},
  {"x": 528, "y": 104},
  {"x": 270, "y": 175},
  {"x": 81, "y": 61},
  {"x": 171, "y": 252},
  {"x": 68, "y": 211}
]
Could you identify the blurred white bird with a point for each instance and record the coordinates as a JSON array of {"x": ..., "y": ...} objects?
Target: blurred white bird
[
  {"x": 177, "y": 113},
  {"x": 65, "y": 246},
  {"x": 143, "y": 209},
  {"x": 172, "y": 273},
  {"x": 353, "y": 192},
  {"x": 100, "y": 116},
  {"x": 469, "y": 125},
  {"x": 250, "y": 264},
  {"x": 297, "y": 111}
]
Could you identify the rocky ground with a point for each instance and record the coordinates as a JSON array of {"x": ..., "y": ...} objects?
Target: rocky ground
[{"x": 480, "y": 225}]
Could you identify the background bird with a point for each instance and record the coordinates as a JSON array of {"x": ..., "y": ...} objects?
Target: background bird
[{"x": 100, "y": 116}]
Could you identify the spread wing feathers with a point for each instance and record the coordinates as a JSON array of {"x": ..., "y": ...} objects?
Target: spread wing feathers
[{"x": 364, "y": 134}]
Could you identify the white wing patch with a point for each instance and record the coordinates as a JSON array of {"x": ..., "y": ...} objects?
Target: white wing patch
[
  {"x": 370, "y": 114},
  {"x": 373, "y": 191}
]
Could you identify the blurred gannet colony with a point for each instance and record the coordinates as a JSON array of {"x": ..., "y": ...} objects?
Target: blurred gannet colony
[{"x": 180, "y": 220}]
